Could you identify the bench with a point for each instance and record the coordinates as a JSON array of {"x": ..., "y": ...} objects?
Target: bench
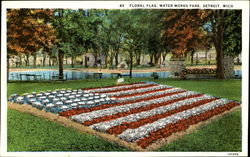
[
  {"x": 115, "y": 75},
  {"x": 56, "y": 78},
  {"x": 97, "y": 75},
  {"x": 154, "y": 75},
  {"x": 29, "y": 76}
]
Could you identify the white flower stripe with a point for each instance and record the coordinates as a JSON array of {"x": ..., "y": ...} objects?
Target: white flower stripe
[
  {"x": 123, "y": 108},
  {"x": 133, "y": 91},
  {"x": 116, "y": 88},
  {"x": 129, "y": 98},
  {"x": 103, "y": 126},
  {"x": 132, "y": 135}
]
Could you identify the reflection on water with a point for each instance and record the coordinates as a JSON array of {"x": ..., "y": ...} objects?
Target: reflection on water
[{"x": 73, "y": 75}]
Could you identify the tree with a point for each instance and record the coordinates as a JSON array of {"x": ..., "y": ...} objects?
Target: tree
[
  {"x": 232, "y": 44},
  {"x": 225, "y": 26},
  {"x": 183, "y": 31},
  {"x": 28, "y": 30}
]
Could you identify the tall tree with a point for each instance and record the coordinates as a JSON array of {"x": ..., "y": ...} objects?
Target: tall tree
[
  {"x": 183, "y": 31},
  {"x": 28, "y": 30},
  {"x": 225, "y": 26},
  {"x": 232, "y": 45}
]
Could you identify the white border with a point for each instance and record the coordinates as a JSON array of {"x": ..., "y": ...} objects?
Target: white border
[{"x": 244, "y": 5}]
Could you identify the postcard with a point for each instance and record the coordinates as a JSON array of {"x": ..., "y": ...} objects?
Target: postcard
[{"x": 124, "y": 78}]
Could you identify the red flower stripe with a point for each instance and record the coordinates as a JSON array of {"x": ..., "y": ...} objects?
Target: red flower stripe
[
  {"x": 132, "y": 125},
  {"x": 113, "y": 86},
  {"x": 183, "y": 124},
  {"x": 129, "y": 88},
  {"x": 136, "y": 94},
  {"x": 84, "y": 110},
  {"x": 133, "y": 111}
]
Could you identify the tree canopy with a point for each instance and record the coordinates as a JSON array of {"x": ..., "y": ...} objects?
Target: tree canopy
[
  {"x": 28, "y": 30},
  {"x": 71, "y": 33}
]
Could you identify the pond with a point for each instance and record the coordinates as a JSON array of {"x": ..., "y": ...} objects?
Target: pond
[{"x": 73, "y": 75}]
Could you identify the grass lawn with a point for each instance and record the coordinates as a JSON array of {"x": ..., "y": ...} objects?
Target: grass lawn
[{"x": 31, "y": 133}]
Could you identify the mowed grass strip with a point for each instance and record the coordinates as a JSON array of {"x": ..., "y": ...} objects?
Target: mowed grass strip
[
  {"x": 222, "y": 135},
  {"x": 31, "y": 133}
]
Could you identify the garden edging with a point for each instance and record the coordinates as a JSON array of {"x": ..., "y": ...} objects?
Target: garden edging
[{"x": 84, "y": 129}]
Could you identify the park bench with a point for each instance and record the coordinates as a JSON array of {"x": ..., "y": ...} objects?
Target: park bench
[
  {"x": 56, "y": 78},
  {"x": 29, "y": 76},
  {"x": 155, "y": 75},
  {"x": 97, "y": 75},
  {"x": 115, "y": 75}
]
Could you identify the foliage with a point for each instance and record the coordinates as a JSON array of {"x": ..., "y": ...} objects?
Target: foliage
[
  {"x": 232, "y": 34},
  {"x": 28, "y": 30},
  {"x": 183, "y": 31}
]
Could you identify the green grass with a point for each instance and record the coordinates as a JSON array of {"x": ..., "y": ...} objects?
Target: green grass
[
  {"x": 230, "y": 89},
  {"x": 27, "y": 87},
  {"x": 222, "y": 135},
  {"x": 30, "y": 133}
]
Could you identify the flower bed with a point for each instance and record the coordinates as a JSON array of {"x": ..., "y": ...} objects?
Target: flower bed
[
  {"x": 98, "y": 89},
  {"x": 199, "y": 71},
  {"x": 62, "y": 100},
  {"x": 204, "y": 72},
  {"x": 140, "y": 113}
]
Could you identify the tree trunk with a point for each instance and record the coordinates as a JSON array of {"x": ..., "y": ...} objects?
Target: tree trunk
[
  {"x": 197, "y": 58},
  {"x": 72, "y": 61},
  {"x": 86, "y": 61},
  {"x": 160, "y": 58},
  {"x": 206, "y": 57},
  {"x": 53, "y": 61},
  {"x": 138, "y": 59},
  {"x": 60, "y": 57},
  {"x": 17, "y": 64},
  {"x": 8, "y": 67},
  {"x": 82, "y": 61},
  {"x": 151, "y": 59},
  {"x": 111, "y": 60},
  {"x": 50, "y": 61},
  {"x": 17, "y": 61},
  {"x": 219, "y": 45},
  {"x": 34, "y": 61},
  {"x": 106, "y": 61},
  {"x": 44, "y": 59},
  {"x": 95, "y": 56},
  {"x": 66, "y": 60},
  {"x": 27, "y": 59},
  {"x": 164, "y": 57},
  {"x": 116, "y": 59},
  {"x": 228, "y": 67},
  {"x": 210, "y": 58},
  {"x": 192, "y": 58},
  {"x": 157, "y": 57},
  {"x": 131, "y": 65}
]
